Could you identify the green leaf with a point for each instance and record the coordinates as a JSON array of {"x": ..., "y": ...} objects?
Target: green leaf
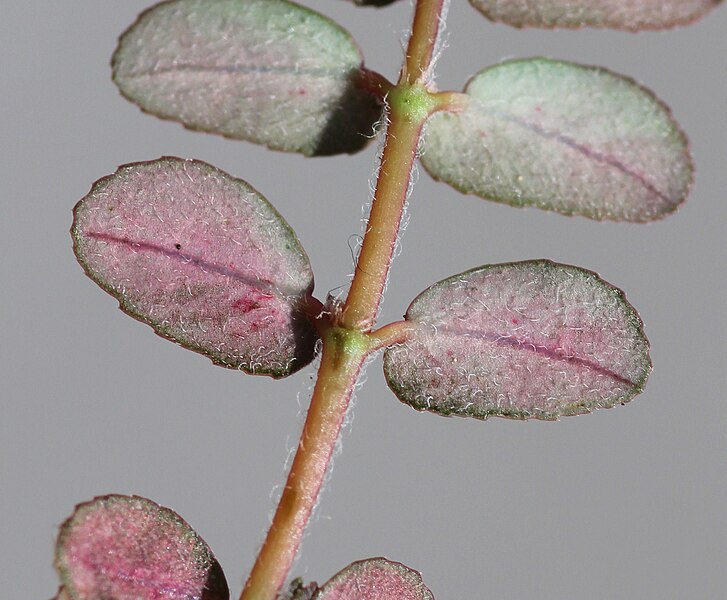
[
  {"x": 204, "y": 259},
  {"x": 129, "y": 548},
  {"x": 268, "y": 71},
  {"x": 563, "y": 137},
  {"x": 525, "y": 340},
  {"x": 375, "y": 579},
  {"x": 631, "y": 15}
]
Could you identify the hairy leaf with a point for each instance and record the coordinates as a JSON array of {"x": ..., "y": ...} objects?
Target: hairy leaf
[
  {"x": 375, "y": 579},
  {"x": 203, "y": 258},
  {"x": 562, "y": 137},
  {"x": 129, "y": 548},
  {"x": 532, "y": 339},
  {"x": 267, "y": 71},
  {"x": 632, "y": 15}
]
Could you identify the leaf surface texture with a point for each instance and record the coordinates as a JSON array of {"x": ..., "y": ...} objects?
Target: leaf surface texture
[
  {"x": 268, "y": 71},
  {"x": 375, "y": 579},
  {"x": 632, "y": 15},
  {"x": 533, "y": 339},
  {"x": 203, "y": 258},
  {"x": 129, "y": 548},
  {"x": 562, "y": 137}
]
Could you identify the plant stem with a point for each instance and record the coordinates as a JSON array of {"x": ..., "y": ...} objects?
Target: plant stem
[
  {"x": 372, "y": 268},
  {"x": 410, "y": 103},
  {"x": 347, "y": 341},
  {"x": 343, "y": 354},
  {"x": 428, "y": 20}
]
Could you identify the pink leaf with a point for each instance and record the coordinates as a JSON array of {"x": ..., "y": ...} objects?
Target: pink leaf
[
  {"x": 375, "y": 579},
  {"x": 632, "y": 15},
  {"x": 268, "y": 71},
  {"x": 563, "y": 137},
  {"x": 129, "y": 548},
  {"x": 532, "y": 339},
  {"x": 203, "y": 258}
]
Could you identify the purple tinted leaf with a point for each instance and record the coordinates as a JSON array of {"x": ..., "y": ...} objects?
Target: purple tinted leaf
[
  {"x": 268, "y": 71},
  {"x": 532, "y": 339},
  {"x": 375, "y": 579},
  {"x": 562, "y": 137},
  {"x": 632, "y": 15},
  {"x": 129, "y": 548},
  {"x": 203, "y": 258}
]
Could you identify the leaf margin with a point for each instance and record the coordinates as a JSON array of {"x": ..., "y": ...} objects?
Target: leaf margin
[
  {"x": 66, "y": 590},
  {"x": 365, "y": 141},
  {"x": 667, "y": 113},
  {"x": 630, "y": 29},
  {"x": 410, "y": 572},
  {"x": 76, "y": 236},
  {"x": 634, "y": 319}
]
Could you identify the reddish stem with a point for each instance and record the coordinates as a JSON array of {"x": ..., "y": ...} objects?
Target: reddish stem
[{"x": 347, "y": 341}]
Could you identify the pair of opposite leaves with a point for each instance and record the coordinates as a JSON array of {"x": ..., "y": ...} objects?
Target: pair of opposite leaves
[{"x": 208, "y": 262}]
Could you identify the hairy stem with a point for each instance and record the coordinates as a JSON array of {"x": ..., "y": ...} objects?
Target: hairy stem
[
  {"x": 392, "y": 189},
  {"x": 428, "y": 21},
  {"x": 347, "y": 341},
  {"x": 409, "y": 105},
  {"x": 343, "y": 354}
]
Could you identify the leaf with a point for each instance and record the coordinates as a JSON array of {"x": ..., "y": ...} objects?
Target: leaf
[
  {"x": 268, "y": 71},
  {"x": 129, "y": 548},
  {"x": 532, "y": 339},
  {"x": 632, "y": 15},
  {"x": 562, "y": 137},
  {"x": 375, "y": 579},
  {"x": 203, "y": 258}
]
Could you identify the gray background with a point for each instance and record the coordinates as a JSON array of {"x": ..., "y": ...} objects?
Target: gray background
[{"x": 628, "y": 503}]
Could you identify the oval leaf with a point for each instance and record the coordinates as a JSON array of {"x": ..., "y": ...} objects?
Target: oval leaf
[
  {"x": 203, "y": 258},
  {"x": 562, "y": 137},
  {"x": 375, "y": 579},
  {"x": 129, "y": 548},
  {"x": 533, "y": 339},
  {"x": 267, "y": 71},
  {"x": 631, "y": 15}
]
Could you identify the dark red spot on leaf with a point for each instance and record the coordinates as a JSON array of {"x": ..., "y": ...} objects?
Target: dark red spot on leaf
[{"x": 252, "y": 301}]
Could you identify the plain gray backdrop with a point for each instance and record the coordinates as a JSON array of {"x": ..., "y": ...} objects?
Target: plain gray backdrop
[{"x": 628, "y": 503}]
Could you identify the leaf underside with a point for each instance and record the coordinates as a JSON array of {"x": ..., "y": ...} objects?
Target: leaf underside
[
  {"x": 562, "y": 137},
  {"x": 203, "y": 258},
  {"x": 532, "y": 339},
  {"x": 615, "y": 14},
  {"x": 375, "y": 579},
  {"x": 267, "y": 71},
  {"x": 129, "y": 548}
]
